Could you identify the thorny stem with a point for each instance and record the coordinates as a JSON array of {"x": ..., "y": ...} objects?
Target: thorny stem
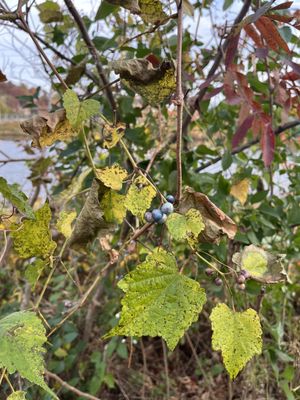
[{"x": 179, "y": 99}]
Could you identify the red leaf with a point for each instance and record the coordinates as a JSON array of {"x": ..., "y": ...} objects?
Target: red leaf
[
  {"x": 208, "y": 81},
  {"x": 291, "y": 76},
  {"x": 281, "y": 18},
  {"x": 242, "y": 130},
  {"x": 262, "y": 52},
  {"x": 231, "y": 50},
  {"x": 283, "y": 6},
  {"x": 295, "y": 67},
  {"x": 271, "y": 34},
  {"x": 252, "y": 33},
  {"x": 268, "y": 144},
  {"x": 229, "y": 91}
]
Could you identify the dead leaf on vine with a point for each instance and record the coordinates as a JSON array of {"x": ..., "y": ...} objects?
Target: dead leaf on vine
[
  {"x": 112, "y": 134},
  {"x": 131, "y": 5},
  {"x": 217, "y": 223},
  {"x": 91, "y": 218},
  {"x": 47, "y": 128},
  {"x": 75, "y": 73},
  {"x": 261, "y": 265},
  {"x": 152, "y": 79},
  {"x": 2, "y": 77}
]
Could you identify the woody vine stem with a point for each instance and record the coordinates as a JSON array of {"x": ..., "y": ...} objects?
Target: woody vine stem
[{"x": 179, "y": 99}]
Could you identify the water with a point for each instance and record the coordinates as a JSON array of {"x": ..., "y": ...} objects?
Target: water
[{"x": 15, "y": 172}]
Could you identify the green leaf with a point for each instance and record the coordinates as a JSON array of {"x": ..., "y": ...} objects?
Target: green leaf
[
  {"x": 22, "y": 337},
  {"x": 112, "y": 177},
  {"x": 151, "y": 11},
  {"x": 33, "y": 238},
  {"x": 64, "y": 223},
  {"x": 237, "y": 335},
  {"x": 113, "y": 205},
  {"x": 226, "y": 160},
  {"x": 104, "y": 10},
  {"x": 159, "y": 301},
  {"x": 78, "y": 112},
  {"x": 18, "y": 395},
  {"x": 18, "y": 199},
  {"x": 261, "y": 265},
  {"x": 139, "y": 196},
  {"x": 50, "y": 12},
  {"x": 33, "y": 271},
  {"x": 186, "y": 226}
]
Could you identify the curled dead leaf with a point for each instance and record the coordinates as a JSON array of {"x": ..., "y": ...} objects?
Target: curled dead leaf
[
  {"x": 217, "y": 223},
  {"x": 47, "y": 128},
  {"x": 91, "y": 218}
]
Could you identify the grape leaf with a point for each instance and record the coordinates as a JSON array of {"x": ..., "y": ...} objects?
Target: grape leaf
[
  {"x": 261, "y": 265},
  {"x": 237, "y": 335},
  {"x": 151, "y": 11},
  {"x": 34, "y": 270},
  {"x": 216, "y": 222},
  {"x": 33, "y": 238},
  {"x": 17, "y": 198},
  {"x": 159, "y": 301},
  {"x": 131, "y": 5},
  {"x": 154, "y": 82},
  {"x": 73, "y": 189},
  {"x": 113, "y": 205},
  {"x": 64, "y": 223},
  {"x": 139, "y": 196},
  {"x": 112, "y": 177},
  {"x": 240, "y": 190},
  {"x": 78, "y": 112},
  {"x": 50, "y": 12},
  {"x": 46, "y": 128},
  {"x": 186, "y": 226},
  {"x": 22, "y": 336},
  {"x": 18, "y": 395}
]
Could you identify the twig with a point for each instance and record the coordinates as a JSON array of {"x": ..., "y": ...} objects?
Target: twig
[
  {"x": 92, "y": 49},
  {"x": 179, "y": 99},
  {"x": 69, "y": 387},
  {"x": 277, "y": 132}
]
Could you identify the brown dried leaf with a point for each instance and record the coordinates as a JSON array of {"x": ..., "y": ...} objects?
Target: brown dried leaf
[
  {"x": 217, "y": 223},
  {"x": 47, "y": 128},
  {"x": 91, "y": 218},
  {"x": 2, "y": 77}
]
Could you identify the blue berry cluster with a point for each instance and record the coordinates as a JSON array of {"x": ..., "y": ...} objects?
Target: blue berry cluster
[{"x": 160, "y": 215}]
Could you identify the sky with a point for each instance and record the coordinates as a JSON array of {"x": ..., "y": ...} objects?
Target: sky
[{"x": 19, "y": 58}]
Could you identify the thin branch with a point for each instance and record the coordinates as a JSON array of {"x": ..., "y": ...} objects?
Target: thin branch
[
  {"x": 93, "y": 51},
  {"x": 277, "y": 132},
  {"x": 179, "y": 99},
  {"x": 215, "y": 65},
  {"x": 69, "y": 387}
]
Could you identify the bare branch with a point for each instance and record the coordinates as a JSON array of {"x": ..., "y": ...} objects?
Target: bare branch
[{"x": 277, "y": 132}]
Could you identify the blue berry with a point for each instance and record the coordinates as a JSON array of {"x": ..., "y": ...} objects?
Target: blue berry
[
  {"x": 170, "y": 198},
  {"x": 163, "y": 219},
  {"x": 167, "y": 208},
  {"x": 156, "y": 214},
  {"x": 148, "y": 216}
]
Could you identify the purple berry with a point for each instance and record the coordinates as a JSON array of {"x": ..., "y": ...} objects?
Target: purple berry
[
  {"x": 163, "y": 219},
  {"x": 170, "y": 198},
  {"x": 218, "y": 282},
  {"x": 209, "y": 271},
  {"x": 241, "y": 279},
  {"x": 148, "y": 216},
  {"x": 245, "y": 273},
  {"x": 167, "y": 208},
  {"x": 156, "y": 214}
]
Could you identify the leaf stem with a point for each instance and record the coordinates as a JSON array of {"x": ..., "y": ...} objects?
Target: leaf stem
[{"x": 88, "y": 151}]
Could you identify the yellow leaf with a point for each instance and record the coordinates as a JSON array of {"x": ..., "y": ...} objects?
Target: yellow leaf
[
  {"x": 240, "y": 190},
  {"x": 113, "y": 206},
  {"x": 139, "y": 196},
  {"x": 64, "y": 223},
  {"x": 112, "y": 177},
  {"x": 112, "y": 134}
]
